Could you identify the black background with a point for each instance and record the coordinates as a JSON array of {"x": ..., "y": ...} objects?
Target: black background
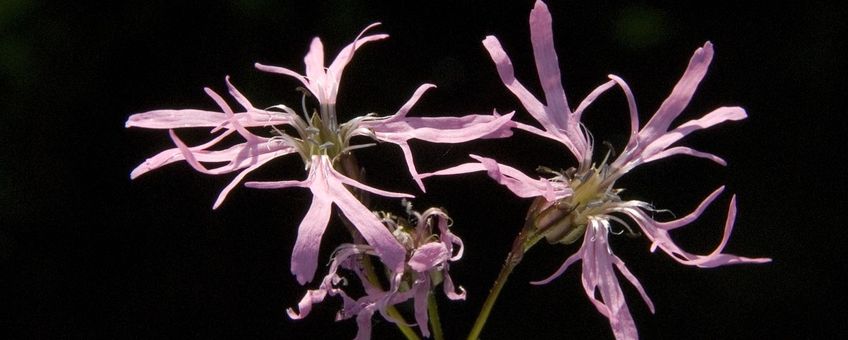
[{"x": 87, "y": 253}]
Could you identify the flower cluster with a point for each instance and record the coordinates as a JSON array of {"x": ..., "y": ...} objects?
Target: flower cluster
[
  {"x": 399, "y": 260},
  {"x": 428, "y": 254}
]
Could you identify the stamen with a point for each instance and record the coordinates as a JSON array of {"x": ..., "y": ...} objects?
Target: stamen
[
  {"x": 303, "y": 100},
  {"x": 624, "y": 224}
]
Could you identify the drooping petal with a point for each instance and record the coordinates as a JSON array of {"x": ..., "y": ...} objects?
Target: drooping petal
[
  {"x": 305, "y": 254},
  {"x": 568, "y": 262},
  {"x": 600, "y": 263},
  {"x": 346, "y": 180},
  {"x": 428, "y": 256},
  {"x": 363, "y": 322},
  {"x": 657, "y": 232},
  {"x": 373, "y": 231},
  {"x": 633, "y": 280},
  {"x": 422, "y": 292},
  {"x": 450, "y": 289},
  {"x": 410, "y": 165}
]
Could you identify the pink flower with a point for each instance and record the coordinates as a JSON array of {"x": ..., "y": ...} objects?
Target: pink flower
[
  {"x": 587, "y": 202},
  {"x": 323, "y": 145},
  {"x": 427, "y": 259},
  {"x": 398, "y": 128}
]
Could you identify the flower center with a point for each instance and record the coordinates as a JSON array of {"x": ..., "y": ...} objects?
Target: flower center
[{"x": 565, "y": 220}]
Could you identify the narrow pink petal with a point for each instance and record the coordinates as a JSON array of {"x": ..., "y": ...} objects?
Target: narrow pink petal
[
  {"x": 634, "y": 281},
  {"x": 174, "y": 119},
  {"x": 445, "y": 235},
  {"x": 591, "y": 98},
  {"x": 716, "y": 258},
  {"x": 619, "y": 316},
  {"x": 346, "y": 54},
  {"x": 717, "y": 116},
  {"x": 401, "y": 113},
  {"x": 691, "y": 217},
  {"x": 239, "y": 177},
  {"x": 444, "y": 129},
  {"x": 304, "y": 307},
  {"x": 519, "y": 183},
  {"x": 428, "y": 256},
  {"x": 592, "y": 266},
  {"x": 305, "y": 254},
  {"x": 346, "y": 180},
  {"x": 422, "y": 293},
  {"x": 285, "y": 71},
  {"x": 658, "y": 234},
  {"x": 547, "y": 64},
  {"x": 240, "y": 98},
  {"x": 410, "y": 165},
  {"x": 373, "y": 231},
  {"x": 363, "y": 322},
  {"x": 682, "y": 92},
  {"x": 231, "y": 118},
  {"x": 174, "y": 155},
  {"x": 188, "y": 155},
  {"x": 219, "y": 100},
  {"x": 568, "y": 262},
  {"x": 276, "y": 184},
  {"x": 159, "y": 160},
  {"x": 456, "y": 170},
  {"x": 631, "y": 106},
  {"x": 505, "y": 71},
  {"x": 314, "y": 61},
  {"x": 682, "y": 150},
  {"x": 450, "y": 289},
  {"x": 539, "y": 132}
]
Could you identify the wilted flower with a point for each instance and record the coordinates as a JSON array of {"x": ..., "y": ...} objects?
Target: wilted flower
[
  {"x": 428, "y": 254},
  {"x": 583, "y": 201},
  {"x": 323, "y": 144}
]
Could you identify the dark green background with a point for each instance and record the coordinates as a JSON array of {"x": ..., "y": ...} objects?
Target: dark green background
[{"x": 86, "y": 253}]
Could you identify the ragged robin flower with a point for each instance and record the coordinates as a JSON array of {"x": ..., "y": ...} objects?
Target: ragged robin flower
[
  {"x": 583, "y": 202},
  {"x": 323, "y": 144}
]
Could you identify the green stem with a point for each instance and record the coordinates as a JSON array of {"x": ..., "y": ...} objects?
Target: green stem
[
  {"x": 401, "y": 324},
  {"x": 526, "y": 239},
  {"x": 507, "y": 268},
  {"x": 433, "y": 310}
]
